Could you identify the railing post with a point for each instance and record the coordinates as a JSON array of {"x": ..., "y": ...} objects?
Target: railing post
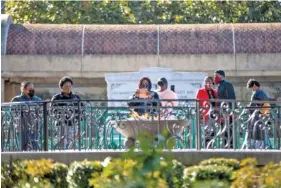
[
  {"x": 197, "y": 125},
  {"x": 234, "y": 144},
  {"x": 45, "y": 125},
  {"x": 79, "y": 127}
]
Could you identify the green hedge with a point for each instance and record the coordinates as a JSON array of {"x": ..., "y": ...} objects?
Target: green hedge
[{"x": 162, "y": 173}]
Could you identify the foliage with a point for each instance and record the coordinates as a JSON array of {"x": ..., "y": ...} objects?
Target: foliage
[
  {"x": 271, "y": 176},
  {"x": 12, "y": 172},
  {"x": 247, "y": 176},
  {"x": 231, "y": 163},
  {"x": 80, "y": 172},
  {"x": 197, "y": 173},
  {"x": 57, "y": 176},
  {"x": 216, "y": 183},
  {"x": 143, "y": 12}
]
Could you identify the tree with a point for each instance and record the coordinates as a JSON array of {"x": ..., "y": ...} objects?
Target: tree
[{"x": 143, "y": 12}]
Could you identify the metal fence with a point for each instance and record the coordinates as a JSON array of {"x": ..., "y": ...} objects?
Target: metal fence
[{"x": 87, "y": 125}]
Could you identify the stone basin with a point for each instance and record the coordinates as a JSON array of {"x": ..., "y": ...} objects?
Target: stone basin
[{"x": 131, "y": 128}]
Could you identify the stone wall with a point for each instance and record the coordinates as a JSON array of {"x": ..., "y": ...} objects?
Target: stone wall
[{"x": 43, "y": 53}]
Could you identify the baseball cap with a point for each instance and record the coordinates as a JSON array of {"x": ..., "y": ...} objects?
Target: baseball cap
[
  {"x": 162, "y": 81},
  {"x": 221, "y": 72}
]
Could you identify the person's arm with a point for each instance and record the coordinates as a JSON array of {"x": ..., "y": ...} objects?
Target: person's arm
[
  {"x": 230, "y": 91},
  {"x": 15, "y": 99},
  {"x": 131, "y": 102},
  {"x": 175, "y": 97}
]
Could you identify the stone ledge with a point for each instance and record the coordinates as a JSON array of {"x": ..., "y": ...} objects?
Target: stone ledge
[{"x": 187, "y": 157}]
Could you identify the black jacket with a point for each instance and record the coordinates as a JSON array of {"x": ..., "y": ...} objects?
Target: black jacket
[
  {"x": 226, "y": 90},
  {"x": 144, "y": 107},
  {"x": 71, "y": 109}
]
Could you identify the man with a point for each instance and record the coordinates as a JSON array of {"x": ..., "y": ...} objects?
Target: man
[
  {"x": 225, "y": 88},
  {"x": 27, "y": 93},
  {"x": 256, "y": 135},
  {"x": 66, "y": 111},
  {"x": 225, "y": 91},
  {"x": 28, "y": 137},
  {"x": 165, "y": 94}
]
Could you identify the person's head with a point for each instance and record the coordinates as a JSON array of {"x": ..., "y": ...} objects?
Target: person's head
[
  {"x": 208, "y": 82},
  {"x": 145, "y": 83},
  {"x": 219, "y": 76},
  {"x": 253, "y": 85},
  {"x": 27, "y": 89},
  {"x": 162, "y": 83},
  {"x": 65, "y": 84}
]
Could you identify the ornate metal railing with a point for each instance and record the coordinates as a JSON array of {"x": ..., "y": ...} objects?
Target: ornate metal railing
[{"x": 192, "y": 124}]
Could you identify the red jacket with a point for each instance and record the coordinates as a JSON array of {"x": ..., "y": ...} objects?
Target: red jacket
[{"x": 202, "y": 94}]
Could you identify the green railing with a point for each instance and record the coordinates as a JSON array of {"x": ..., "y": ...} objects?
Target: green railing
[{"x": 87, "y": 125}]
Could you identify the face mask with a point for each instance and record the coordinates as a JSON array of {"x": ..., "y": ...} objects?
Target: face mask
[
  {"x": 217, "y": 79},
  {"x": 31, "y": 92}
]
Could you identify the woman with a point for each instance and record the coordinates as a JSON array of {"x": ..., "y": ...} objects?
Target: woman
[
  {"x": 144, "y": 106},
  {"x": 206, "y": 94},
  {"x": 65, "y": 106}
]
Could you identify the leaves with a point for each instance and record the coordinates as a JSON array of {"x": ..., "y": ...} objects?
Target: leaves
[{"x": 143, "y": 12}]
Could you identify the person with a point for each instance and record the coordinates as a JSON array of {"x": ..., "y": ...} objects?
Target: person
[
  {"x": 145, "y": 106},
  {"x": 256, "y": 135},
  {"x": 166, "y": 94},
  {"x": 225, "y": 89},
  {"x": 205, "y": 94},
  {"x": 28, "y": 136},
  {"x": 65, "y": 85},
  {"x": 70, "y": 110},
  {"x": 27, "y": 93},
  {"x": 225, "y": 92}
]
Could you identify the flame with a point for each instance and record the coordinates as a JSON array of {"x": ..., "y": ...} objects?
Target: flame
[{"x": 144, "y": 116}]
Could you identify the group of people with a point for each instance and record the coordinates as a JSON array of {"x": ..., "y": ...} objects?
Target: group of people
[
  {"x": 28, "y": 92},
  {"x": 214, "y": 90}
]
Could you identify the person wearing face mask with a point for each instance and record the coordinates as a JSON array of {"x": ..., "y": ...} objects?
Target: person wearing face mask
[
  {"x": 225, "y": 88},
  {"x": 225, "y": 92},
  {"x": 28, "y": 137},
  {"x": 205, "y": 94},
  {"x": 145, "y": 106},
  {"x": 27, "y": 93}
]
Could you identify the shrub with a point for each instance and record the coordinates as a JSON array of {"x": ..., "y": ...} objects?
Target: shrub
[
  {"x": 80, "y": 172},
  {"x": 57, "y": 176},
  {"x": 39, "y": 168},
  {"x": 12, "y": 172},
  {"x": 127, "y": 173},
  {"x": 175, "y": 177},
  {"x": 198, "y": 173},
  {"x": 271, "y": 176},
  {"x": 231, "y": 163},
  {"x": 247, "y": 176}
]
